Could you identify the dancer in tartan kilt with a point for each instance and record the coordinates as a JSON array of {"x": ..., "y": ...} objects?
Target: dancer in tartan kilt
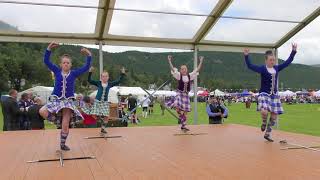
[
  {"x": 101, "y": 104},
  {"x": 182, "y": 101},
  {"x": 62, "y": 109},
  {"x": 268, "y": 99}
]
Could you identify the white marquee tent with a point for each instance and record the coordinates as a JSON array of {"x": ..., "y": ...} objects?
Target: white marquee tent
[
  {"x": 217, "y": 92},
  {"x": 317, "y": 93},
  {"x": 287, "y": 93},
  {"x": 163, "y": 93},
  {"x": 215, "y": 25},
  {"x": 42, "y": 91}
]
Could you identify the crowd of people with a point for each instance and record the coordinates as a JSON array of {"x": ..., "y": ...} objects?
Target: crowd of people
[{"x": 22, "y": 114}]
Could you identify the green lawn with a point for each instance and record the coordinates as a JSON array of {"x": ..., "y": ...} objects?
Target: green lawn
[{"x": 300, "y": 118}]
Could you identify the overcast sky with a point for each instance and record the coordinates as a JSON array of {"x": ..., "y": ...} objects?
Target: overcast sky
[{"x": 57, "y": 19}]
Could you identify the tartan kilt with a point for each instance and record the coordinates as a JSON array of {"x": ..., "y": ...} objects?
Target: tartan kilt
[
  {"x": 100, "y": 108},
  {"x": 270, "y": 103},
  {"x": 86, "y": 109},
  {"x": 56, "y": 105},
  {"x": 181, "y": 102}
]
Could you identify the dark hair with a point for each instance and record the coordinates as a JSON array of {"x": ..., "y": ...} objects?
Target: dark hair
[
  {"x": 268, "y": 53},
  {"x": 86, "y": 99},
  {"x": 66, "y": 56},
  {"x": 24, "y": 96},
  {"x": 12, "y": 91}
]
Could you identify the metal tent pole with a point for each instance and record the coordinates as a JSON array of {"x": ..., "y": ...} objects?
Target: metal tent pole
[
  {"x": 100, "y": 57},
  {"x": 195, "y": 86},
  {"x": 277, "y": 62}
]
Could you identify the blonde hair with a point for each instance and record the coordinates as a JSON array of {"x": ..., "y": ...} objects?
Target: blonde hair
[
  {"x": 105, "y": 72},
  {"x": 183, "y": 65},
  {"x": 66, "y": 56}
]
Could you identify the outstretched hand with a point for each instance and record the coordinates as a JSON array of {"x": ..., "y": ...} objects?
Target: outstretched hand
[
  {"x": 123, "y": 70},
  {"x": 294, "y": 46},
  {"x": 91, "y": 69},
  {"x": 201, "y": 58},
  {"x": 170, "y": 57},
  {"x": 52, "y": 45},
  {"x": 85, "y": 52},
  {"x": 246, "y": 51}
]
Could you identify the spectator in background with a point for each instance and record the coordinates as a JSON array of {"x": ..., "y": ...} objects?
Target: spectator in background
[
  {"x": 216, "y": 111},
  {"x": 31, "y": 98},
  {"x": 89, "y": 120},
  {"x": 11, "y": 111},
  {"x": 248, "y": 102},
  {"x": 24, "y": 105},
  {"x": 132, "y": 107},
  {"x": 151, "y": 104},
  {"x": 79, "y": 101},
  {"x": 162, "y": 101},
  {"x": 145, "y": 104},
  {"x": 36, "y": 121}
]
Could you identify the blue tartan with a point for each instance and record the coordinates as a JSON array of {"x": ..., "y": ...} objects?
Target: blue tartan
[
  {"x": 270, "y": 103},
  {"x": 56, "y": 105}
]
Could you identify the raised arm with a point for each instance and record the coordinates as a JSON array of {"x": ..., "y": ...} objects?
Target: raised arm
[
  {"x": 251, "y": 66},
  {"x": 90, "y": 80},
  {"x": 86, "y": 67},
  {"x": 290, "y": 59},
  {"x": 46, "y": 58},
  {"x": 170, "y": 63},
  {"x": 117, "y": 81},
  {"x": 201, "y": 58}
]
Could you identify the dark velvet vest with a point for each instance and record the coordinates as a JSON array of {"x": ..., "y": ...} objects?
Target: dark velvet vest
[{"x": 182, "y": 86}]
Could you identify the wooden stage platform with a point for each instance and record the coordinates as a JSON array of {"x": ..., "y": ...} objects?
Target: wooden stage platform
[{"x": 226, "y": 152}]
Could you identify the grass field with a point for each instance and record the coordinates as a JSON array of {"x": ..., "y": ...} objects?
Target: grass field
[{"x": 300, "y": 118}]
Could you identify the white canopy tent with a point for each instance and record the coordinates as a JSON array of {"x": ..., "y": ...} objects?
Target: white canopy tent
[
  {"x": 117, "y": 22},
  {"x": 317, "y": 93},
  {"x": 287, "y": 93},
  {"x": 217, "y": 92},
  {"x": 163, "y": 93},
  {"x": 42, "y": 91}
]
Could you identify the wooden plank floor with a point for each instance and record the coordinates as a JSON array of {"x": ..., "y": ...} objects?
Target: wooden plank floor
[{"x": 225, "y": 152}]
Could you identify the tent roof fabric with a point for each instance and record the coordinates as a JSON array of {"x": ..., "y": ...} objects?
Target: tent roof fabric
[{"x": 115, "y": 22}]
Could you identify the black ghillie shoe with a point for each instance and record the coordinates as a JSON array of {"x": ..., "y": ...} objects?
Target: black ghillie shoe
[
  {"x": 103, "y": 131},
  {"x": 184, "y": 129},
  {"x": 268, "y": 137},
  {"x": 64, "y": 148}
]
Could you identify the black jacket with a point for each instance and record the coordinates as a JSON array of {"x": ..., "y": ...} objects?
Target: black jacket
[
  {"x": 37, "y": 122},
  {"x": 11, "y": 114}
]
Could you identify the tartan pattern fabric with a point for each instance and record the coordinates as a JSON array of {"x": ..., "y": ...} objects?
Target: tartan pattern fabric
[
  {"x": 56, "y": 105},
  {"x": 80, "y": 104},
  {"x": 100, "y": 108},
  {"x": 181, "y": 102},
  {"x": 270, "y": 103},
  {"x": 86, "y": 109}
]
